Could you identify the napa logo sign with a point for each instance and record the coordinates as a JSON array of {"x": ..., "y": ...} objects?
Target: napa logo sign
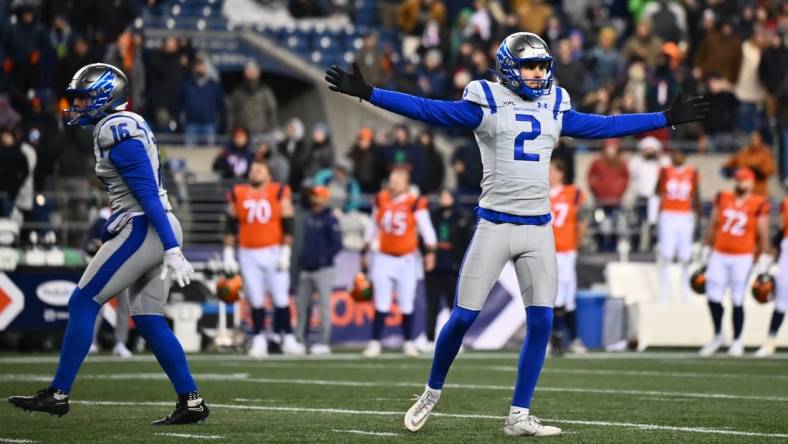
[{"x": 55, "y": 292}]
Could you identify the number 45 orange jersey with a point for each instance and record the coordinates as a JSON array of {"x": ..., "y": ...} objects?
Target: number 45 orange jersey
[{"x": 735, "y": 231}]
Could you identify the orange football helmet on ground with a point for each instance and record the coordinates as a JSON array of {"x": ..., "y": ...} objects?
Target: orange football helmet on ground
[
  {"x": 228, "y": 288},
  {"x": 361, "y": 291},
  {"x": 698, "y": 281},
  {"x": 763, "y": 288}
]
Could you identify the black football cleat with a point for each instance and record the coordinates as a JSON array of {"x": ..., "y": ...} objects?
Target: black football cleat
[
  {"x": 189, "y": 409},
  {"x": 47, "y": 400}
]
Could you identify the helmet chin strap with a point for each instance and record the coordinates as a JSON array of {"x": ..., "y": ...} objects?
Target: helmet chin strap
[{"x": 507, "y": 83}]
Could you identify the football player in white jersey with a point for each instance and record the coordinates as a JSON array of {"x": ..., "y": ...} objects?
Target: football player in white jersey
[
  {"x": 140, "y": 246},
  {"x": 517, "y": 122}
]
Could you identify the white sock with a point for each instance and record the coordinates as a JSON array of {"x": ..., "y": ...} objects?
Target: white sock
[
  {"x": 517, "y": 411},
  {"x": 435, "y": 392}
]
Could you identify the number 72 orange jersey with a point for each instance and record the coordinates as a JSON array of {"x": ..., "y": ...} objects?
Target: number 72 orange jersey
[{"x": 735, "y": 231}]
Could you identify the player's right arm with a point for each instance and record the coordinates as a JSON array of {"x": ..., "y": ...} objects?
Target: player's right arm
[
  {"x": 452, "y": 114},
  {"x": 230, "y": 234},
  {"x": 711, "y": 229}
]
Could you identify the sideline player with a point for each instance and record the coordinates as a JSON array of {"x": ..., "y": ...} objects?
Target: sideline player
[
  {"x": 398, "y": 217},
  {"x": 781, "y": 300},
  {"x": 738, "y": 218},
  {"x": 569, "y": 227},
  {"x": 141, "y": 245},
  {"x": 260, "y": 217},
  {"x": 677, "y": 188},
  {"x": 517, "y": 122}
]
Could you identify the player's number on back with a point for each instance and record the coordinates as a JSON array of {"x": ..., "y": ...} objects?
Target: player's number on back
[
  {"x": 519, "y": 141},
  {"x": 560, "y": 211},
  {"x": 257, "y": 211},
  {"x": 734, "y": 222},
  {"x": 394, "y": 222},
  {"x": 119, "y": 132}
]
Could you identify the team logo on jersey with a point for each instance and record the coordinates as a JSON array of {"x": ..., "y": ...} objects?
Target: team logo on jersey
[{"x": 12, "y": 301}]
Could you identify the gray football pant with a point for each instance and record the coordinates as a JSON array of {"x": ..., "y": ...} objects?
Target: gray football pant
[
  {"x": 530, "y": 247},
  {"x": 131, "y": 260},
  {"x": 320, "y": 281},
  {"x": 121, "y": 321}
]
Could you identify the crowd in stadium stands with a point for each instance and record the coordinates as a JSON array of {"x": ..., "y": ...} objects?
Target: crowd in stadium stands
[{"x": 612, "y": 57}]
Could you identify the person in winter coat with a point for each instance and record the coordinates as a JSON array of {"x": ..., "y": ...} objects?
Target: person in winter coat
[{"x": 253, "y": 105}]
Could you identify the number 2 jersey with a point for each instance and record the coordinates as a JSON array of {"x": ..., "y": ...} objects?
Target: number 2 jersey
[
  {"x": 259, "y": 213},
  {"x": 736, "y": 230}
]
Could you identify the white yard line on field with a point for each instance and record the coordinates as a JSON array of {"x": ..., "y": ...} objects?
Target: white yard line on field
[
  {"x": 190, "y": 435},
  {"x": 639, "y": 426},
  {"x": 419, "y": 385},
  {"x": 364, "y": 432},
  {"x": 19, "y": 441}
]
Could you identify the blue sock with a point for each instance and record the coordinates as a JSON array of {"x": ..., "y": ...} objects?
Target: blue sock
[
  {"x": 258, "y": 320},
  {"x": 168, "y": 351},
  {"x": 777, "y": 320},
  {"x": 82, "y": 311},
  {"x": 539, "y": 323},
  {"x": 407, "y": 327},
  {"x": 377, "y": 325},
  {"x": 716, "y": 316},
  {"x": 449, "y": 343},
  {"x": 570, "y": 320},
  {"x": 282, "y": 320},
  {"x": 738, "y": 321}
]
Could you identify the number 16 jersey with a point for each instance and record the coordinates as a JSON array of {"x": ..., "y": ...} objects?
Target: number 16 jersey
[{"x": 516, "y": 138}]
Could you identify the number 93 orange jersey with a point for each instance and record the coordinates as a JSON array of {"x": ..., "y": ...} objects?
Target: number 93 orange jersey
[
  {"x": 735, "y": 231},
  {"x": 565, "y": 203},
  {"x": 259, "y": 213},
  {"x": 396, "y": 220},
  {"x": 677, "y": 188}
]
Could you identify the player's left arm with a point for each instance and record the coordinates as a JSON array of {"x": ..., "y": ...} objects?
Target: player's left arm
[
  {"x": 765, "y": 259},
  {"x": 595, "y": 126},
  {"x": 452, "y": 114},
  {"x": 288, "y": 218},
  {"x": 427, "y": 232}
]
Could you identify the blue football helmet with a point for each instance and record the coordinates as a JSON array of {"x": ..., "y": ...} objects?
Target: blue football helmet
[
  {"x": 103, "y": 89},
  {"x": 516, "y": 49}
]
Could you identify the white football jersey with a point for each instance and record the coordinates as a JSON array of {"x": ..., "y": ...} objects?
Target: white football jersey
[
  {"x": 107, "y": 133},
  {"x": 516, "y": 138}
]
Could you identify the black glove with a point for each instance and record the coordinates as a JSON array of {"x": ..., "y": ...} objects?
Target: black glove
[
  {"x": 346, "y": 83},
  {"x": 689, "y": 110}
]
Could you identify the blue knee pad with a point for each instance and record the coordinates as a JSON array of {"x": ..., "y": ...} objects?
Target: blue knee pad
[
  {"x": 168, "y": 351},
  {"x": 82, "y": 311},
  {"x": 539, "y": 324},
  {"x": 448, "y": 344}
]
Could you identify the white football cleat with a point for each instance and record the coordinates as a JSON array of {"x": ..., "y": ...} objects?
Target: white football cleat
[
  {"x": 121, "y": 351},
  {"x": 521, "y": 423},
  {"x": 712, "y": 346},
  {"x": 427, "y": 347},
  {"x": 94, "y": 348},
  {"x": 291, "y": 346},
  {"x": 736, "y": 349},
  {"x": 320, "y": 350},
  {"x": 259, "y": 348},
  {"x": 417, "y": 414},
  {"x": 409, "y": 349},
  {"x": 768, "y": 348},
  {"x": 578, "y": 347},
  {"x": 373, "y": 349}
]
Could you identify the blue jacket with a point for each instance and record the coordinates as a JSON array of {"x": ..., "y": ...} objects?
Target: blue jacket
[
  {"x": 202, "y": 104},
  {"x": 322, "y": 240}
]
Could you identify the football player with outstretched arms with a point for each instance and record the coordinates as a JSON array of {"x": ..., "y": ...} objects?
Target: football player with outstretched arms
[
  {"x": 260, "y": 218},
  {"x": 738, "y": 220},
  {"x": 679, "y": 196},
  {"x": 141, "y": 245},
  {"x": 781, "y": 300},
  {"x": 569, "y": 227},
  {"x": 398, "y": 218},
  {"x": 517, "y": 122}
]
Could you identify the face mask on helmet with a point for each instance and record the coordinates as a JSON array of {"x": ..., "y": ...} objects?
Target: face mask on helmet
[
  {"x": 529, "y": 51},
  {"x": 94, "y": 92}
]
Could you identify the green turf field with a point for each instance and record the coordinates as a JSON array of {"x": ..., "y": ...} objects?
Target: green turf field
[{"x": 648, "y": 397}]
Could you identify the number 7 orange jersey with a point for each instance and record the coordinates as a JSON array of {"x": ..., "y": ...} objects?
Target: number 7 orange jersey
[
  {"x": 565, "y": 203},
  {"x": 259, "y": 214},
  {"x": 396, "y": 221},
  {"x": 735, "y": 231}
]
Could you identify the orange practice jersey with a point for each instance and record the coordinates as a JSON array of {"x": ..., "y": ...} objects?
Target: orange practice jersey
[
  {"x": 259, "y": 214},
  {"x": 396, "y": 219},
  {"x": 735, "y": 230},
  {"x": 677, "y": 188},
  {"x": 565, "y": 203},
  {"x": 784, "y": 214}
]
